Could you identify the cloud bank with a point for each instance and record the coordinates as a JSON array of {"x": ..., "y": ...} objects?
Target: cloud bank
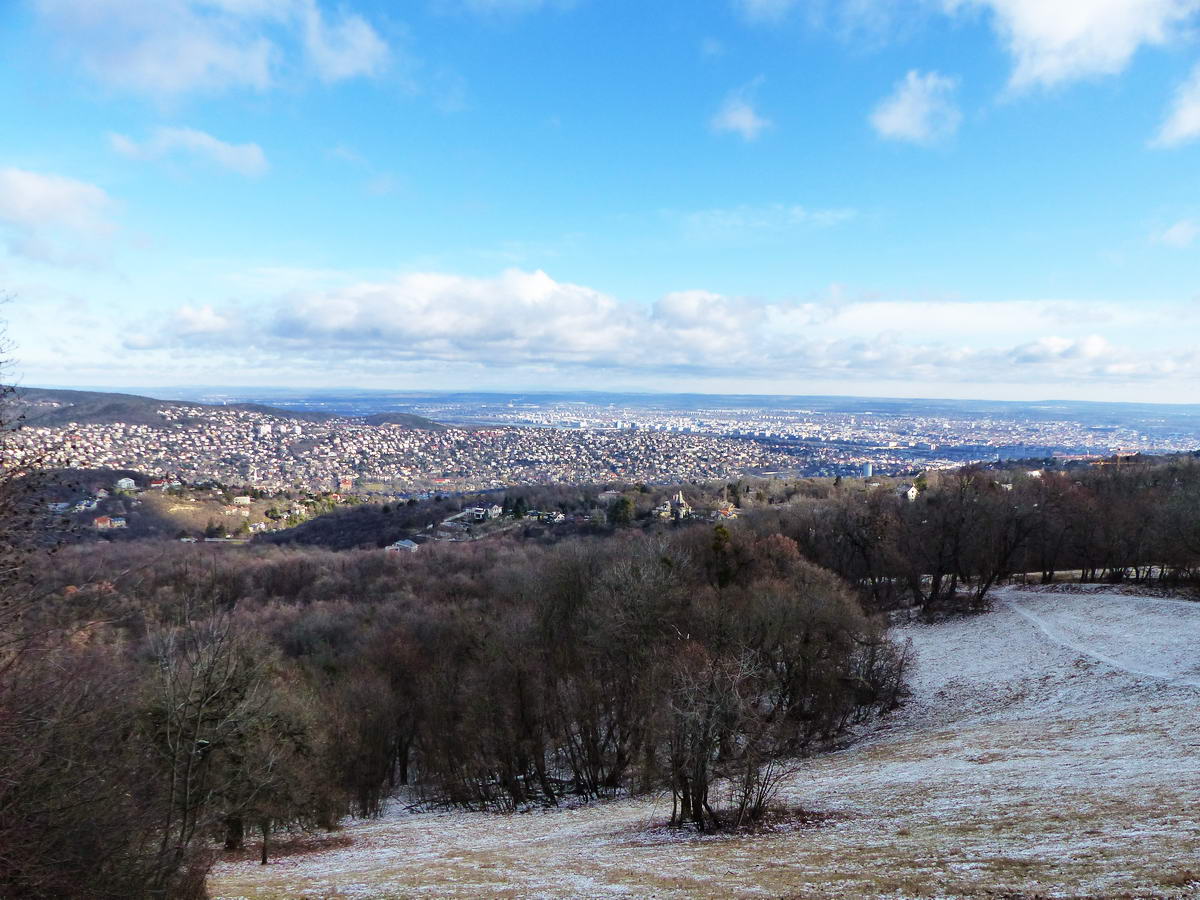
[{"x": 528, "y": 320}]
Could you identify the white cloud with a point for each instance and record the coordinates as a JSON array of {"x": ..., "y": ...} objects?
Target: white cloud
[
  {"x": 52, "y": 218},
  {"x": 1183, "y": 120},
  {"x": 920, "y": 109},
  {"x": 246, "y": 159},
  {"x": 1180, "y": 235},
  {"x": 1057, "y": 349},
  {"x": 1051, "y": 42},
  {"x": 737, "y": 114},
  {"x": 437, "y": 316},
  {"x": 190, "y": 321},
  {"x": 1056, "y": 41},
  {"x": 161, "y": 47},
  {"x": 164, "y": 48},
  {"x": 527, "y": 321},
  {"x": 349, "y": 49}
]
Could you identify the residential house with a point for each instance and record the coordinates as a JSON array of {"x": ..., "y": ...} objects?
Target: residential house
[{"x": 725, "y": 510}]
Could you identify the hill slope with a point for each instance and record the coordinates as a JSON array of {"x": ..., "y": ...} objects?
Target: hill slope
[
  {"x": 1047, "y": 750},
  {"x": 53, "y": 407},
  {"x": 50, "y": 407}
]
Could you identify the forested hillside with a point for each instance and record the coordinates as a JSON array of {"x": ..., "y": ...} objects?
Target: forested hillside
[{"x": 204, "y": 696}]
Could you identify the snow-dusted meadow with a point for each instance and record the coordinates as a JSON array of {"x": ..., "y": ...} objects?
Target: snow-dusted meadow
[{"x": 1050, "y": 748}]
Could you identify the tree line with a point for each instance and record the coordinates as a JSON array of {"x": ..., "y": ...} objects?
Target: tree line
[{"x": 1134, "y": 520}]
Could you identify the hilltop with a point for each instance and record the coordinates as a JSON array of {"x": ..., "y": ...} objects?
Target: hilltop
[
  {"x": 52, "y": 407},
  {"x": 47, "y": 407}
]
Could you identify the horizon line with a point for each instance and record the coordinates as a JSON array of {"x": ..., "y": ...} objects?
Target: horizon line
[{"x": 113, "y": 389}]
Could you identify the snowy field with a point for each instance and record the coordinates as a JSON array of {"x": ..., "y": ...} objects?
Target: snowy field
[{"x": 1051, "y": 748}]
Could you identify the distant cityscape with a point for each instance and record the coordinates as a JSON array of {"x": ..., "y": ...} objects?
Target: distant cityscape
[{"x": 494, "y": 441}]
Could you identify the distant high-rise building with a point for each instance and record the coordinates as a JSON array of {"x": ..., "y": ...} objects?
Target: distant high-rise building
[{"x": 868, "y": 470}]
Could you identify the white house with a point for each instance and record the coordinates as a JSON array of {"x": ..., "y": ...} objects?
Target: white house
[
  {"x": 404, "y": 546},
  {"x": 908, "y": 491},
  {"x": 125, "y": 484}
]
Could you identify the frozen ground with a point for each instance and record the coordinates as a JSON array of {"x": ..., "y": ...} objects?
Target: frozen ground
[{"x": 1051, "y": 748}]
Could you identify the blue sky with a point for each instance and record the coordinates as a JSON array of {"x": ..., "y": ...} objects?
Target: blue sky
[{"x": 968, "y": 198}]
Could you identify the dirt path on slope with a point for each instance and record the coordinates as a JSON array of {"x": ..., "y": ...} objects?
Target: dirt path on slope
[{"x": 1185, "y": 637}]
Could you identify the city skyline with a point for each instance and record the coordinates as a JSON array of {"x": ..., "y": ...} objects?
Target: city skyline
[{"x": 986, "y": 199}]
